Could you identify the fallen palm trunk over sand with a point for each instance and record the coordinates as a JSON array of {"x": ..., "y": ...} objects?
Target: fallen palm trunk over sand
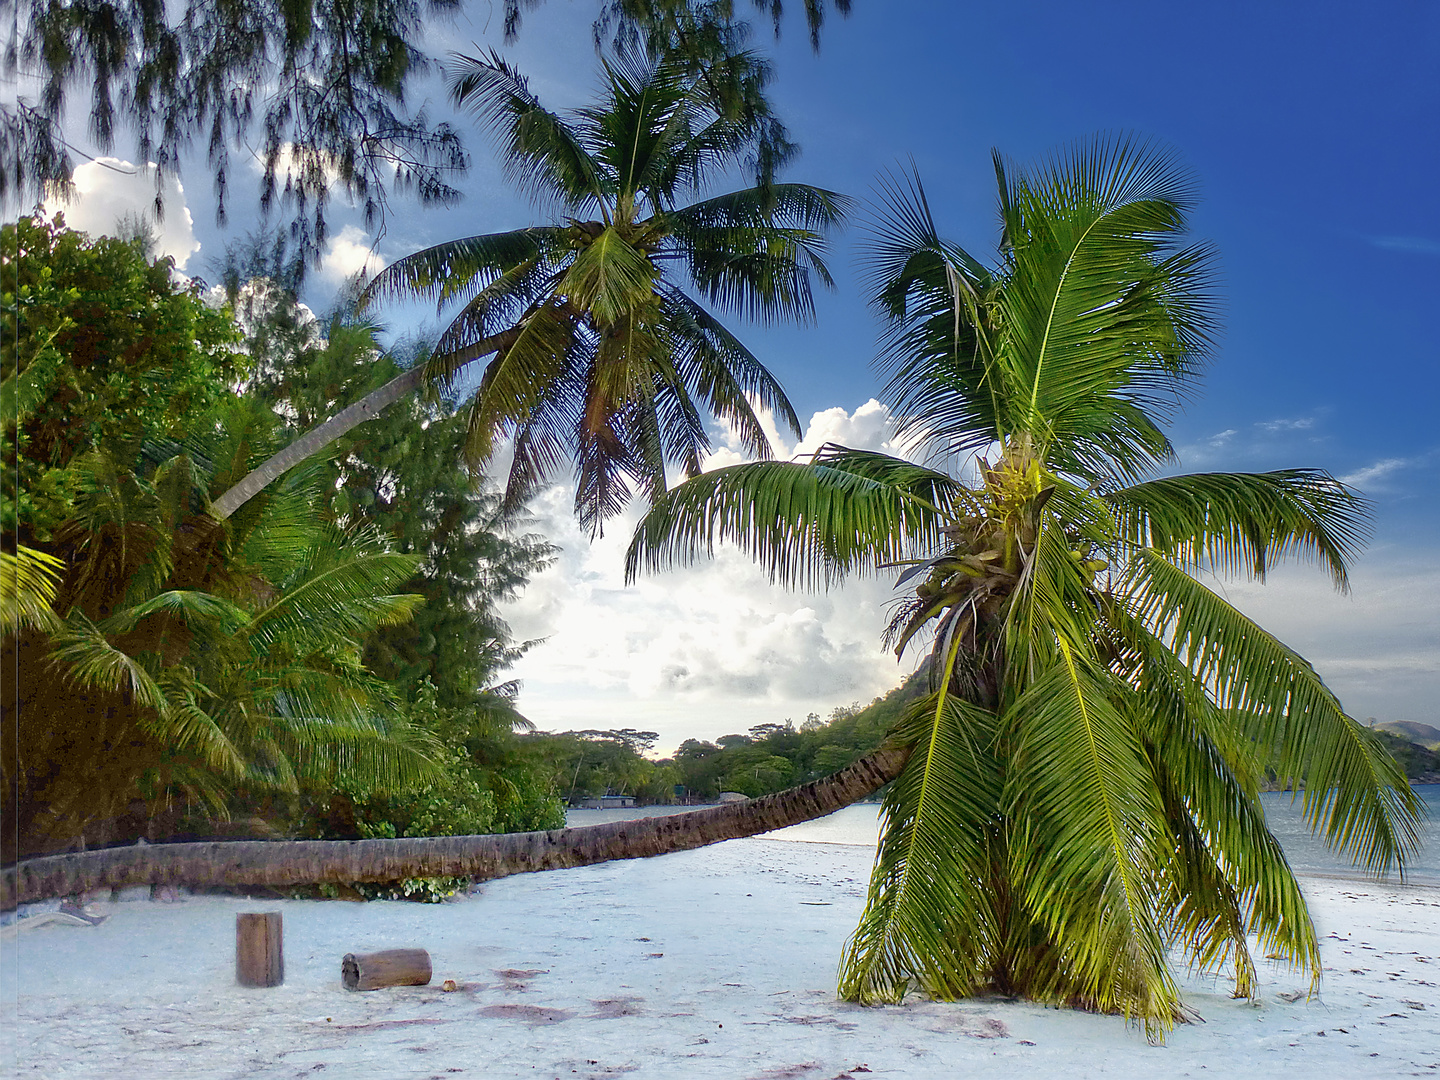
[{"x": 281, "y": 863}]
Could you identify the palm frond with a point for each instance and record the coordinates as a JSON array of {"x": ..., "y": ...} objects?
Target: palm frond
[
  {"x": 29, "y": 580},
  {"x": 458, "y": 269},
  {"x": 543, "y": 154},
  {"x": 807, "y": 525},
  {"x": 1087, "y": 854},
  {"x": 1354, "y": 793},
  {"x": 1244, "y": 523},
  {"x": 928, "y": 914}
]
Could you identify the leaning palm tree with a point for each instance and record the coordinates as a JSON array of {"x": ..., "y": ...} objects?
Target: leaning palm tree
[
  {"x": 1081, "y": 791},
  {"x": 602, "y": 351}
]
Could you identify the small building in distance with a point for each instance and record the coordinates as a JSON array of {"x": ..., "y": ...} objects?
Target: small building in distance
[{"x": 608, "y": 802}]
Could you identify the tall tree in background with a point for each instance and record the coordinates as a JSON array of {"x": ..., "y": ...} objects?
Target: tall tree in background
[
  {"x": 1081, "y": 792},
  {"x": 402, "y": 474}
]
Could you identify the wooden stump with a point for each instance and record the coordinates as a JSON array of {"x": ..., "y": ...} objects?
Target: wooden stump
[
  {"x": 393, "y": 967},
  {"x": 259, "y": 949}
]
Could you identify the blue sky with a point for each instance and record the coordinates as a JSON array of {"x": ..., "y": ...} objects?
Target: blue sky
[{"x": 1314, "y": 131}]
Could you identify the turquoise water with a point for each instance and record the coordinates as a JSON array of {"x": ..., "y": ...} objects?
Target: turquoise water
[{"x": 859, "y": 824}]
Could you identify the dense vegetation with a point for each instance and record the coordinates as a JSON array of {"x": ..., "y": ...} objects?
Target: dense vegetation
[{"x": 326, "y": 662}]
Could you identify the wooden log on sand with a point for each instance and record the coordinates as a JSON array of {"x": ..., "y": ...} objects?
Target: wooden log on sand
[
  {"x": 259, "y": 949},
  {"x": 392, "y": 967}
]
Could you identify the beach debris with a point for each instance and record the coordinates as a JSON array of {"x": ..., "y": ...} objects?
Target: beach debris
[
  {"x": 1291, "y": 996},
  {"x": 259, "y": 948},
  {"x": 449, "y": 986},
  {"x": 390, "y": 967}
]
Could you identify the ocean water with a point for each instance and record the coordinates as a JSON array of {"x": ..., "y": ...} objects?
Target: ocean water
[{"x": 860, "y": 825}]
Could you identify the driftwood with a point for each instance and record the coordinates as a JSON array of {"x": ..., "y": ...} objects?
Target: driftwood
[
  {"x": 285, "y": 863},
  {"x": 392, "y": 967},
  {"x": 259, "y": 949}
]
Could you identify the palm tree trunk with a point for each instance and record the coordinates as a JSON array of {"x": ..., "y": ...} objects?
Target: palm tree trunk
[
  {"x": 306, "y": 862},
  {"x": 367, "y": 408}
]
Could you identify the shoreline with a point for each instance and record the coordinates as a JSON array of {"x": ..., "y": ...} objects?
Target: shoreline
[{"x": 718, "y": 962}]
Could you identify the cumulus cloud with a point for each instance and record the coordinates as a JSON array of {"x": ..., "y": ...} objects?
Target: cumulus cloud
[
  {"x": 109, "y": 192},
  {"x": 348, "y": 253},
  {"x": 704, "y": 650}
]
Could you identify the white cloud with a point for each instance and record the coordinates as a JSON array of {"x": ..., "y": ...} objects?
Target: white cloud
[
  {"x": 1304, "y": 423},
  {"x": 705, "y": 650},
  {"x": 1371, "y": 473},
  {"x": 348, "y": 254},
  {"x": 1414, "y": 245},
  {"x": 108, "y": 191}
]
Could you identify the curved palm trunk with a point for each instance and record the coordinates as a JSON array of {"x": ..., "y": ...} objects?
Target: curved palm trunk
[
  {"x": 317, "y": 438},
  {"x": 306, "y": 862}
]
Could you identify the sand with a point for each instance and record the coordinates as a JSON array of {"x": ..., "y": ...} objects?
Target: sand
[{"x": 712, "y": 963}]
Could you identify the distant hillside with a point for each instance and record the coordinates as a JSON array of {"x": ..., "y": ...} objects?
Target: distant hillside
[
  {"x": 1412, "y": 731},
  {"x": 1419, "y": 762}
]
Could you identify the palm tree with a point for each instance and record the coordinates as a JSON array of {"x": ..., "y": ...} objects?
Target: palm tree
[
  {"x": 599, "y": 354},
  {"x": 184, "y": 661},
  {"x": 1081, "y": 791}
]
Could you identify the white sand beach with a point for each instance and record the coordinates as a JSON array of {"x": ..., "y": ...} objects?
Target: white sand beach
[{"x": 718, "y": 962}]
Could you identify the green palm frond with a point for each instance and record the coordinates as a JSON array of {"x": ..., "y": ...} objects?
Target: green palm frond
[
  {"x": 1093, "y": 829},
  {"x": 341, "y": 592},
  {"x": 1244, "y": 523},
  {"x": 1353, "y": 791},
  {"x": 753, "y": 252},
  {"x": 85, "y": 657},
  {"x": 723, "y": 373},
  {"x": 543, "y": 154},
  {"x": 29, "y": 580},
  {"x": 929, "y": 913},
  {"x": 1101, "y": 305},
  {"x": 805, "y": 524},
  {"x": 522, "y": 378},
  {"x": 458, "y": 269},
  {"x": 200, "y": 610}
]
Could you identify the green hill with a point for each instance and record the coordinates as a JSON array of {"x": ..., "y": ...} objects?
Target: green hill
[{"x": 1412, "y": 731}]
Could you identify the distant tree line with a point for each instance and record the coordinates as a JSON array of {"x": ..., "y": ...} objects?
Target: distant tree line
[{"x": 770, "y": 758}]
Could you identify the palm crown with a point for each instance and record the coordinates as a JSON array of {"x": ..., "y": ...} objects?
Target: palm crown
[
  {"x": 601, "y": 356},
  {"x": 1082, "y": 793}
]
